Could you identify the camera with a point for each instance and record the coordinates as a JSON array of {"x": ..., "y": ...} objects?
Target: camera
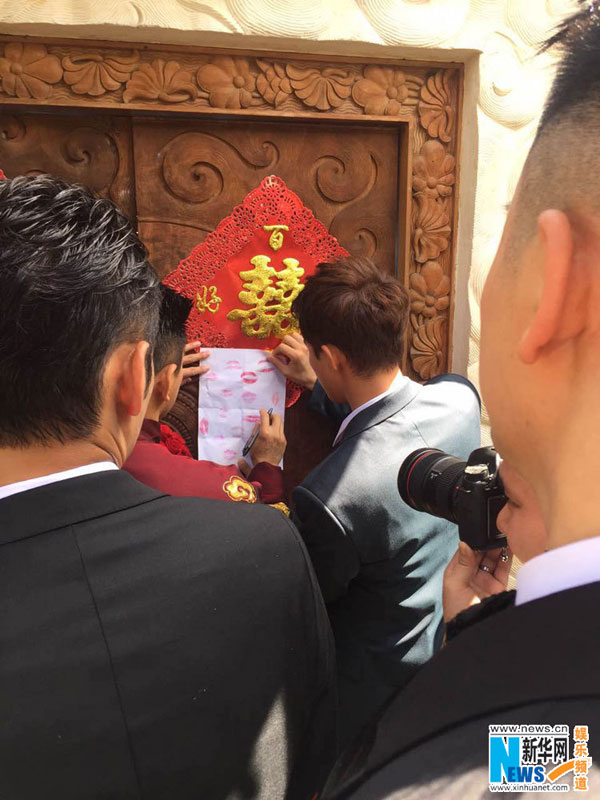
[{"x": 469, "y": 493}]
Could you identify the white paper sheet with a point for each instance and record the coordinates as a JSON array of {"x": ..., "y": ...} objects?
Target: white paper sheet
[{"x": 239, "y": 384}]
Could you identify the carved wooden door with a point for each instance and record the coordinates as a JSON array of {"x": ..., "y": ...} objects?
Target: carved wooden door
[
  {"x": 178, "y": 179},
  {"x": 95, "y": 151},
  {"x": 190, "y": 174}
]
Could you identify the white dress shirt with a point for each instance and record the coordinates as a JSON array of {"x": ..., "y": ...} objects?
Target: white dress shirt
[
  {"x": 565, "y": 567},
  {"x": 399, "y": 381},
  {"x": 44, "y": 480}
]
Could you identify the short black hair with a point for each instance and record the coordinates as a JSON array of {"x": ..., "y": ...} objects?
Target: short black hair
[
  {"x": 75, "y": 283},
  {"x": 171, "y": 339},
  {"x": 351, "y": 304},
  {"x": 563, "y": 160},
  {"x": 577, "y": 79}
]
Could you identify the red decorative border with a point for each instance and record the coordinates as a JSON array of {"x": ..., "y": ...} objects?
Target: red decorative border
[{"x": 270, "y": 203}]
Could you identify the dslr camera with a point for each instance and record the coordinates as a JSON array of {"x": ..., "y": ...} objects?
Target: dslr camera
[{"x": 469, "y": 493}]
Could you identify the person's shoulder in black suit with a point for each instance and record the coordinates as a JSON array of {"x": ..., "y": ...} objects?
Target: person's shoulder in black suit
[
  {"x": 534, "y": 663},
  {"x": 195, "y": 627}
]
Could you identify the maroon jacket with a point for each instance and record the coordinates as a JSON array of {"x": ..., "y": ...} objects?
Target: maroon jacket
[{"x": 160, "y": 459}]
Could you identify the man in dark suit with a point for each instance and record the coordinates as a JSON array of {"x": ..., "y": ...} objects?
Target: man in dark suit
[
  {"x": 150, "y": 647},
  {"x": 536, "y": 659},
  {"x": 379, "y": 563}
]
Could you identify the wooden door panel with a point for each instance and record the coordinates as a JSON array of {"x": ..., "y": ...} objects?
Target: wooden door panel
[
  {"x": 180, "y": 178},
  {"x": 93, "y": 151},
  {"x": 191, "y": 174}
]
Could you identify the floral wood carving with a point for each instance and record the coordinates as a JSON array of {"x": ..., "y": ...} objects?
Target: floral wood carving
[
  {"x": 384, "y": 90},
  {"x": 436, "y": 111},
  {"x": 27, "y": 71},
  {"x": 94, "y": 74},
  {"x": 433, "y": 171},
  {"x": 431, "y": 230},
  {"x": 427, "y": 350},
  {"x": 164, "y": 81},
  {"x": 429, "y": 290},
  {"x": 228, "y": 81},
  {"x": 272, "y": 83},
  {"x": 324, "y": 89}
]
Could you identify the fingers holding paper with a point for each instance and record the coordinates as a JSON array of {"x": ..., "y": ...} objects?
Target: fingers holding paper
[
  {"x": 292, "y": 360},
  {"x": 192, "y": 358},
  {"x": 271, "y": 442}
]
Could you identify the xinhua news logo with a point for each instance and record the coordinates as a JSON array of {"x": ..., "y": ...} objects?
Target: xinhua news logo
[{"x": 537, "y": 758}]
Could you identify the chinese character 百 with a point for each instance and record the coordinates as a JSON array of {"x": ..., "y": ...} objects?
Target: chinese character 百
[
  {"x": 270, "y": 295},
  {"x": 276, "y": 237}
]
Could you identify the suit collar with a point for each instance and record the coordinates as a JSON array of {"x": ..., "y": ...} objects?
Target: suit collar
[
  {"x": 381, "y": 410},
  {"x": 69, "y": 502}
]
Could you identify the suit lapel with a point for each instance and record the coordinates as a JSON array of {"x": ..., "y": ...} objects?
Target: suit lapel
[{"x": 382, "y": 410}]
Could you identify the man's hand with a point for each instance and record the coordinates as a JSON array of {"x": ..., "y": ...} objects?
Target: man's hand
[
  {"x": 291, "y": 359},
  {"x": 271, "y": 443},
  {"x": 471, "y": 576},
  {"x": 192, "y": 356}
]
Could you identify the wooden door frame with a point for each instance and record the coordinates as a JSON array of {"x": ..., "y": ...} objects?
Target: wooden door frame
[{"x": 425, "y": 98}]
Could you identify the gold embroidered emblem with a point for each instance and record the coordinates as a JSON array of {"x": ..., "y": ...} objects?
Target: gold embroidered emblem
[
  {"x": 239, "y": 490},
  {"x": 276, "y": 237},
  {"x": 208, "y": 300},
  {"x": 270, "y": 294}
]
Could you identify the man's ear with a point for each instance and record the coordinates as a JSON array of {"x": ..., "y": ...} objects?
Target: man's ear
[
  {"x": 164, "y": 381},
  {"x": 550, "y": 323},
  {"x": 132, "y": 380},
  {"x": 333, "y": 356}
]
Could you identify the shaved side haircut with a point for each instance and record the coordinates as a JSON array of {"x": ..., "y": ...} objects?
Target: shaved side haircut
[{"x": 563, "y": 166}]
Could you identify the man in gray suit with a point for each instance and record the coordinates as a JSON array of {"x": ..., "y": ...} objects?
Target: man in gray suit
[{"x": 379, "y": 563}]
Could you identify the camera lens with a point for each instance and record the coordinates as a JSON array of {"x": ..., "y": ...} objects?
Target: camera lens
[{"x": 427, "y": 481}]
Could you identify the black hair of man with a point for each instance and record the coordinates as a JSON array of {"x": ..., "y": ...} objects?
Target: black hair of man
[
  {"x": 171, "y": 339},
  {"x": 577, "y": 79},
  {"x": 563, "y": 160},
  {"x": 75, "y": 283},
  {"x": 361, "y": 310}
]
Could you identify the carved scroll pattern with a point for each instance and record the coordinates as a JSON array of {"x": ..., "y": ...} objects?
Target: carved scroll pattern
[
  {"x": 203, "y": 170},
  {"x": 87, "y": 150},
  {"x": 121, "y": 77}
]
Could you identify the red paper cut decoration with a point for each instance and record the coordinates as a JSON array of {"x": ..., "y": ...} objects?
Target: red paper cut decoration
[{"x": 244, "y": 276}]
